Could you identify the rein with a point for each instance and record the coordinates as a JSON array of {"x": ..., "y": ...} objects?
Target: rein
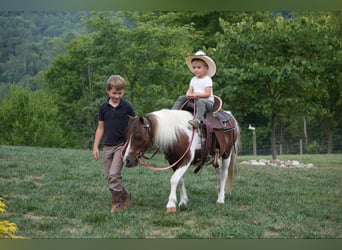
[{"x": 142, "y": 162}]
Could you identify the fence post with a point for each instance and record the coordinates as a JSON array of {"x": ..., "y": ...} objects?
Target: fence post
[
  {"x": 301, "y": 146},
  {"x": 254, "y": 139},
  {"x": 254, "y": 143}
]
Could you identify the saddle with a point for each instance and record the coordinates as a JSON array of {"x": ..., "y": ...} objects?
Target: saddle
[{"x": 217, "y": 122}]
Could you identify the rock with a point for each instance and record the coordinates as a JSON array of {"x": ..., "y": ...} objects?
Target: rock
[{"x": 278, "y": 163}]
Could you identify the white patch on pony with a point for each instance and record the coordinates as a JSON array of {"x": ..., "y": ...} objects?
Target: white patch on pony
[
  {"x": 170, "y": 122},
  {"x": 176, "y": 179},
  {"x": 222, "y": 174},
  {"x": 128, "y": 148}
]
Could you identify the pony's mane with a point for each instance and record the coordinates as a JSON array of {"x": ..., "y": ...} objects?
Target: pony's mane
[{"x": 169, "y": 124}]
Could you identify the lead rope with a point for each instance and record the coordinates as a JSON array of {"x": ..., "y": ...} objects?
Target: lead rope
[{"x": 142, "y": 162}]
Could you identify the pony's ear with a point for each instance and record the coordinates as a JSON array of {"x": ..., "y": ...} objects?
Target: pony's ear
[{"x": 141, "y": 119}]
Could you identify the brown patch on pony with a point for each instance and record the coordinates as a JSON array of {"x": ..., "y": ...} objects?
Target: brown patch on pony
[
  {"x": 176, "y": 151},
  {"x": 140, "y": 136}
]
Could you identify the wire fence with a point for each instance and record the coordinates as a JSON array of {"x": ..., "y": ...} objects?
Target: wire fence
[{"x": 294, "y": 148}]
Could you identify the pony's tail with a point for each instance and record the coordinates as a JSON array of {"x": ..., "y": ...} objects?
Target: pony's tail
[{"x": 233, "y": 158}]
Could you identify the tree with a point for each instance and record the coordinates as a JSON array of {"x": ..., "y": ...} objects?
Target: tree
[
  {"x": 271, "y": 65},
  {"x": 149, "y": 55},
  {"x": 329, "y": 101}
]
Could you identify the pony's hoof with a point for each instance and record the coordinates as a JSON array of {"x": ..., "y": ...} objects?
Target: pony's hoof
[{"x": 171, "y": 210}]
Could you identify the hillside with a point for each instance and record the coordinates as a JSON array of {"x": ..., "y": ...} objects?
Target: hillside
[{"x": 30, "y": 40}]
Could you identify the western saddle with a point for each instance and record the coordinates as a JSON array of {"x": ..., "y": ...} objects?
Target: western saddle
[{"x": 217, "y": 122}]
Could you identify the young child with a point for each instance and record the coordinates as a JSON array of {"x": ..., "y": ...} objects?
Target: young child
[
  {"x": 113, "y": 120},
  {"x": 200, "y": 87}
]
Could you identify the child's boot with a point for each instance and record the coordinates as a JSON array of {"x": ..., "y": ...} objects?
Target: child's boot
[
  {"x": 116, "y": 201},
  {"x": 126, "y": 199}
]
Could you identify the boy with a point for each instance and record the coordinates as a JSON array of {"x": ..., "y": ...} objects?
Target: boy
[
  {"x": 113, "y": 120},
  {"x": 200, "y": 87}
]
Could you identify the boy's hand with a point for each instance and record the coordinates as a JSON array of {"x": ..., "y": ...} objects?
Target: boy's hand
[
  {"x": 191, "y": 96},
  {"x": 96, "y": 154}
]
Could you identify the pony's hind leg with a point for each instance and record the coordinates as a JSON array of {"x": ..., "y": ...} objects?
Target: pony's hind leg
[
  {"x": 222, "y": 174},
  {"x": 174, "y": 181}
]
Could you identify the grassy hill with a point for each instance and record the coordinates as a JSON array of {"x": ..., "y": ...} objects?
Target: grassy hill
[{"x": 61, "y": 193}]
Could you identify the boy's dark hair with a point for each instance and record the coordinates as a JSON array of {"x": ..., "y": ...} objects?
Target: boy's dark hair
[{"x": 117, "y": 82}]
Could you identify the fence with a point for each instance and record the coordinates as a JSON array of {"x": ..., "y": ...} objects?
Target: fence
[{"x": 294, "y": 148}]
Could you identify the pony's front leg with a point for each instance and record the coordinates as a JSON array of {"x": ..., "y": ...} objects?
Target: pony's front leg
[
  {"x": 222, "y": 173},
  {"x": 183, "y": 194},
  {"x": 174, "y": 181}
]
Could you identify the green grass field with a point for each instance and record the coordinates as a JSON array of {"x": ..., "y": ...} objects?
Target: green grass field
[{"x": 61, "y": 193}]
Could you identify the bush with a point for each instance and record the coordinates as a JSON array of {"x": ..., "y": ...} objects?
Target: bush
[
  {"x": 29, "y": 118},
  {"x": 7, "y": 229}
]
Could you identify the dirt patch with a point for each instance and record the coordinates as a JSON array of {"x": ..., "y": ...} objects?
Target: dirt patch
[
  {"x": 270, "y": 234},
  {"x": 38, "y": 217},
  {"x": 244, "y": 207}
]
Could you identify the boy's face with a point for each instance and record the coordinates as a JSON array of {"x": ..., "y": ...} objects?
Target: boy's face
[
  {"x": 115, "y": 95},
  {"x": 199, "y": 68}
]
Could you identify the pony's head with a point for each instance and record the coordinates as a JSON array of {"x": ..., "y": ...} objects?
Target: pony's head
[{"x": 139, "y": 139}]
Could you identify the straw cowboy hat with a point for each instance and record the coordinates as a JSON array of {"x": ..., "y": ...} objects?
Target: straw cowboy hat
[{"x": 201, "y": 55}]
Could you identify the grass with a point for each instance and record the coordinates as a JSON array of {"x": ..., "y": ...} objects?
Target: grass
[{"x": 61, "y": 193}]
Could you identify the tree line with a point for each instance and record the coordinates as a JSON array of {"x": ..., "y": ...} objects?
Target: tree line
[{"x": 276, "y": 71}]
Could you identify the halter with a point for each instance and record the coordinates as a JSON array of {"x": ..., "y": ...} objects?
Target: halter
[{"x": 149, "y": 133}]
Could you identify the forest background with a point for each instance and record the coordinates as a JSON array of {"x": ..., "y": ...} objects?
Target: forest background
[{"x": 278, "y": 71}]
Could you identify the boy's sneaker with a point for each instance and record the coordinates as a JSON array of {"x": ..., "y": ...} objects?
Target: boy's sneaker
[{"x": 195, "y": 123}]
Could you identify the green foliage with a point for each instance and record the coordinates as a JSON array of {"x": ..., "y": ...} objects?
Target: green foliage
[
  {"x": 7, "y": 228},
  {"x": 29, "y": 118},
  {"x": 274, "y": 68},
  {"x": 272, "y": 64},
  {"x": 149, "y": 55}
]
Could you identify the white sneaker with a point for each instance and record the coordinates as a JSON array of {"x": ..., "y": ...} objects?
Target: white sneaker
[{"x": 195, "y": 123}]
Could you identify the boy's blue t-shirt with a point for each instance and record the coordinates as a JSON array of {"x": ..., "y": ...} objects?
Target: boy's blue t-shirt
[{"x": 115, "y": 121}]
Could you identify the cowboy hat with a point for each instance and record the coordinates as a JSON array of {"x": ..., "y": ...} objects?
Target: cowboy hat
[{"x": 202, "y": 56}]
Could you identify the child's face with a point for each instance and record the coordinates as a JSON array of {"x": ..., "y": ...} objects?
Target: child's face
[
  {"x": 199, "y": 69},
  {"x": 115, "y": 95}
]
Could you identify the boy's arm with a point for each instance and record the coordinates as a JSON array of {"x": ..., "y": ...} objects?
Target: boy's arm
[
  {"x": 98, "y": 136},
  {"x": 190, "y": 93},
  {"x": 206, "y": 94}
]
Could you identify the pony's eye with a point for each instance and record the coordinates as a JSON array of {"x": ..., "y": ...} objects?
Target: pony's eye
[{"x": 138, "y": 137}]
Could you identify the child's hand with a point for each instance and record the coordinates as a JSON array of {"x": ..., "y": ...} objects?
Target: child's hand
[
  {"x": 191, "y": 96},
  {"x": 96, "y": 154}
]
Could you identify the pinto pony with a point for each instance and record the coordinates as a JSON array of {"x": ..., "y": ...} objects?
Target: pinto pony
[{"x": 170, "y": 131}]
